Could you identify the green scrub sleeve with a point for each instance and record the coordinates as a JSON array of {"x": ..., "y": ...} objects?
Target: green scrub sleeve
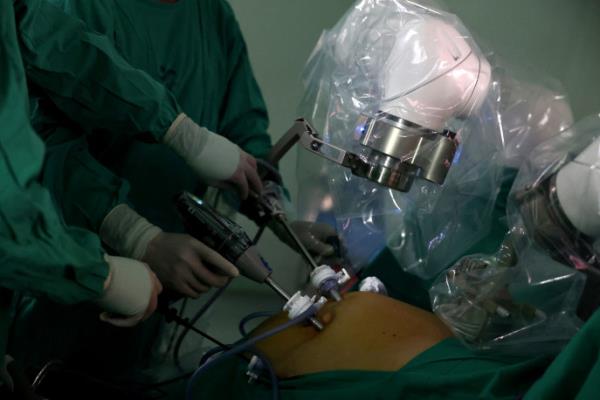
[
  {"x": 84, "y": 189},
  {"x": 38, "y": 254},
  {"x": 86, "y": 78},
  {"x": 42, "y": 257},
  {"x": 243, "y": 114}
]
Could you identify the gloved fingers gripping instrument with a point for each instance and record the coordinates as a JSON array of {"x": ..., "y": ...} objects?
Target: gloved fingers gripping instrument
[
  {"x": 228, "y": 239},
  {"x": 267, "y": 206}
]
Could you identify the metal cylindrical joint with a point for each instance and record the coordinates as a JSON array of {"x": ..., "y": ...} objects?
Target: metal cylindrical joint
[{"x": 401, "y": 149}]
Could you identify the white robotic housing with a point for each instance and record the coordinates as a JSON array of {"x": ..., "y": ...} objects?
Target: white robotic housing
[
  {"x": 578, "y": 190},
  {"x": 557, "y": 197},
  {"x": 433, "y": 75},
  {"x": 430, "y": 75}
]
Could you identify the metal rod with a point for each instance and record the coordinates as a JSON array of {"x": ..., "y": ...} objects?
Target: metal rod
[
  {"x": 278, "y": 289},
  {"x": 290, "y": 231},
  {"x": 281, "y": 292},
  {"x": 335, "y": 294}
]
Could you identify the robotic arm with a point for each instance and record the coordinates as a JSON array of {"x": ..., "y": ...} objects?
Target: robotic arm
[
  {"x": 432, "y": 76},
  {"x": 527, "y": 285},
  {"x": 561, "y": 213}
]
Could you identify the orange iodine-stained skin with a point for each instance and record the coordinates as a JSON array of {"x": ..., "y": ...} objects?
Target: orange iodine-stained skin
[{"x": 365, "y": 331}]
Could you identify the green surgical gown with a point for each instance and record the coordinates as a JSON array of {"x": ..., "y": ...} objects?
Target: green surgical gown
[
  {"x": 83, "y": 76},
  {"x": 81, "y": 83},
  {"x": 193, "y": 47},
  {"x": 39, "y": 255}
]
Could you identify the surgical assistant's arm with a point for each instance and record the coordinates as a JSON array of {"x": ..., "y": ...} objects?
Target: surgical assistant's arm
[
  {"x": 86, "y": 77},
  {"x": 38, "y": 253},
  {"x": 41, "y": 256},
  {"x": 88, "y": 80}
]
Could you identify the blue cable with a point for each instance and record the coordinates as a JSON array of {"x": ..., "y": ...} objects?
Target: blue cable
[
  {"x": 206, "y": 356},
  {"x": 244, "y": 346},
  {"x": 250, "y": 317}
]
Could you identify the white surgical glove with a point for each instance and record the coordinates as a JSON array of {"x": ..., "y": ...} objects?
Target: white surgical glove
[
  {"x": 184, "y": 264},
  {"x": 215, "y": 160},
  {"x": 181, "y": 262},
  {"x": 312, "y": 235},
  {"x": 130, "y": 292}
]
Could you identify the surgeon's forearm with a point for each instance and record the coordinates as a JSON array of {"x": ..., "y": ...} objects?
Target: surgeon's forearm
[
  {"x": 54, "y": 266},
  {"x": 84, "y": 188},
  {"x": 86, "y": 78}
]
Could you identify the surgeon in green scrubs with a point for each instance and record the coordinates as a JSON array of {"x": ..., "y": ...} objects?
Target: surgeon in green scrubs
[
  {"x": 83, "y": 75},
  {"x": 83, "y": 84},
  {"x": 196, "y": 50},
  {"x": 39, "y": 255}
]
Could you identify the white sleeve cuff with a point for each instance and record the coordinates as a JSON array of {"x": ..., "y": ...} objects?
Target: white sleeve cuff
[
  {"x": 129, "y": 289},
  {"x": 212, "y": 157},
  {"x": 127, "y": 232}
]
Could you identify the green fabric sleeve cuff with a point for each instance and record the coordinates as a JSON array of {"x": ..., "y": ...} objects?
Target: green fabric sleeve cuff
[
  {"x": 41, "y": 256},
  {"x": 83, "y": 189}
]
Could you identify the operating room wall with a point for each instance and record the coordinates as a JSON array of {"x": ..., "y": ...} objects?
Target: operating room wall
[
  {"x": 280, "y": 35},
  {"x": 557, "y": 37}
]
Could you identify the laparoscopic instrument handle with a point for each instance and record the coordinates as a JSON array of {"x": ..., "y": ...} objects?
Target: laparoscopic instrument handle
[
  {"x": 229, "y": 240},
  {"x": 222, "y": 235}
]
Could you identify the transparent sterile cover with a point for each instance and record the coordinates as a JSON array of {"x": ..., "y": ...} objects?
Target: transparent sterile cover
[
  {"x": 535, "y": 298},
  {"x": 406, "y": 88},
  {"x": 555, "y": 201},
  {"x": 518, "y": 300}
]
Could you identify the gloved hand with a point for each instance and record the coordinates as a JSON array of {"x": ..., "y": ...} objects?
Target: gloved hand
[
  {"x": 183, "y": 264},
  {"x": 130, "y": 292},
  {"x": 313, "y": 235},
  {"x": 216, "y": 160}
]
